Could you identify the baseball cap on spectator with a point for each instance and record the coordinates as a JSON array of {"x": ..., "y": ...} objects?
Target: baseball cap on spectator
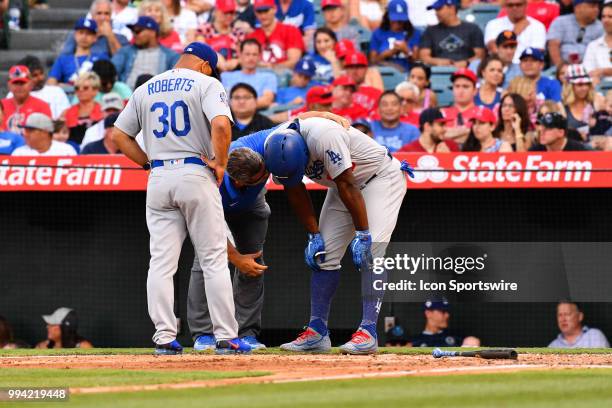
[
  {"x": 355, "y": 59},
  {"x": 263, "y": 4},
  {"x": 145, "y": 22},
  {"x": 441, "y": 3},
  {"x": 39, "y": 121},
  {"x": 577, "y": 74},
  {"x": 344, "y": 47},
  {"x": 484, "y": 114},
  {"x": 306, "y": 67},
  {"x": 57, "y": 317},
  {"x": 464, "y": 73},
  {"x": 205, "y": 53},
  {"x": 553, "y": 120},
  {"x": 437, "y": 304},
  {"x": 225, "y": 6},
  {"x": 506, "y": 37},
  {"x": 330, "y": 3},
  {"x": 18, "y": 73},
  {"x": 431, "y": 115},
  {"x": 344, "y": 80},
  {"x": 112, "y": 100},
  {"x": 110, "y": 120},
  {"x": 398, "y": 10},
  {"x": 319, "y": 94},
  {"x": 86, "y": 24},
  {"x": 534, "y": 53},
  {"x": 362, "y": 122}
]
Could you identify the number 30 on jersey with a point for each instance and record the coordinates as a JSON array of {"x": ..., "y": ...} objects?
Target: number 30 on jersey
[{"x": 175, "y": 109}]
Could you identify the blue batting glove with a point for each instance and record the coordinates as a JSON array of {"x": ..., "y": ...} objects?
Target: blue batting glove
[
  {"x": 361, "y": 247},
  {"x": 407, "y": 168},
  {"x": 314, "y": 249}
]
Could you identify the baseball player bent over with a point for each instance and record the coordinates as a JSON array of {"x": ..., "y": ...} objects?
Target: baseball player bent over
[
  {"x": 246, "y": 213},
  {"x": 366, "y": 190},
  {"x": 185, "y": 119}
]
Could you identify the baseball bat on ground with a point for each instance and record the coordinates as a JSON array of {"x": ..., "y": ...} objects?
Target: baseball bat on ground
[{"x": 507, "y": 354}]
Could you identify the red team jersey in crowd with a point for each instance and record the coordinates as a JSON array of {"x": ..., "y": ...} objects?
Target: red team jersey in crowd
[
  {"x": 452, "y": 113},
  {"x": 544, "y": 12},
  {"x": 15, "y": 116},
  {"x": 224, "y": 44},
  {"x": 172, "y": 41},
  {"x": 367, "y": 97},
  {"x": 417, "y": 147},
  {"x": 274, "y": 48},
  {"x": 353, "y": 112},
  {"x": 72, "y": 116}
]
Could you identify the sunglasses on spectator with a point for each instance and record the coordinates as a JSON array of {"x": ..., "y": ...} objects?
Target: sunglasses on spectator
[
  {"x": 581, "y": 34},
  {"x": 103, "y": 13},
  {"x": 82, "y": 88}
]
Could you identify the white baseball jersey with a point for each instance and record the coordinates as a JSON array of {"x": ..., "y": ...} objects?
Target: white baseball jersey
[{"x": 172, "y": 103}]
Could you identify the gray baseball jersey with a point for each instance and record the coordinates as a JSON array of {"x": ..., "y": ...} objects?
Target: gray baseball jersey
[{"x": 174, "y": 110}]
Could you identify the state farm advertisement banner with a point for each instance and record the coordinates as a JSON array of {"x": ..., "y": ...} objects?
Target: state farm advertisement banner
[{"x": 451, "y": 170}]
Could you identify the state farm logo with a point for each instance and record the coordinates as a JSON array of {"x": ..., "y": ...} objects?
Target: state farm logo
[{"x": 428, "y": 169}]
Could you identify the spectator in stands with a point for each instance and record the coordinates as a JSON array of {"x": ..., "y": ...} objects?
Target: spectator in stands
[
  {"x": 265, "y": 83},
  {"x": 9, "y": 141},
  {"x": 318, "y": 98},
  {"x": 184, "y": 21},
  {"x": 344, "y": 104},
  {"x": 542, "y": 10},
  {"x": 366, "y": 78},
  {"x": 221, "y": 35},
  {"x": 243, "y": 101},
  {"x": 84, "y": 114},
  {"x": 513, "y": 122},
  {"x": 368, "y": 13},
  {"x": 298, "y": 13},
  {"x": 146, "y": 55},
  {"x": 529, "y": 31},
  {"x": 53, "y": 95},
  {"x": 282, "y": 44},
  {"x": 108, "y": 42},
  {"x": 409, "y": 93},
  {"x": 597, "y": 56},
  {"x": 421, "y": 15},
  {"x": 506, "y": 43},
  {"x": 420, "y": 75},
  {"x": 436, "y": 333},
  {"x": 21, "y": 104},
  {"x": 481, "y": 137},
  {"x": 108, "y": 81},
  {"x": 245, "y": 19},
  {"x": 463, "y": 109},
  {"x": 301, "y": 82},
  {"x": 389, "y": 131},
  {"x": 62, "y": 331},
  {"x": 334, "y": 14},
  {"x": 123, "y": 14},
  {"x": 396, "y": 42},
  {"x": 452, "y": 41},
  {"x": 61, "y": 132},
  {"x": 532, "y": 64},
  {"x": 327, "y": 64},
  {"x": 573, "y": 333},
  {"x": 363, "y": 126},
  {"x": 38, "y": 134},
  {"x": 166, "y": 35},
  {"x": 553, "y": 135},
  {"x": 491, "y": 74},
  {"x": 106, "y": 144},
  {"x": 527, "y": 89},
  {"x": 6, "y": 331},
  {"x": 67, "y": 67},
  {"x": 569, "y": 35},
  {"x": 579, "y": 100},
  {"x": 111, "y": 103},
  {"x": 432, "y": 124}
]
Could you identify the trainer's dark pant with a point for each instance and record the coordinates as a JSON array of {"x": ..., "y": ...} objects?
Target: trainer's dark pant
[{"x": 249, "y": 230}]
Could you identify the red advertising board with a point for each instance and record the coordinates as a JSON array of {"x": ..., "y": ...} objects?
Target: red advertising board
[{"x": 452, "y": 170}]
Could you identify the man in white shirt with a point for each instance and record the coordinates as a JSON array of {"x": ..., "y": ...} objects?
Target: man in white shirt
[
  {"x": 598, "y": 56},
  {"x": 419, "y": 15},
  {"x": 111, "y": 103},
  {"x": 573, "y": 333},
  {"x": 38, "y": 135},
  {"x": 529, "y": 31}
]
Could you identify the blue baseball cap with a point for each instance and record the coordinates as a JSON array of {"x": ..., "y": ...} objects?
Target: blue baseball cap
[
  {"x": 86, "y": 24},
  {"x": 576, "y": 2},
  {"x": 437, "y": 304},
  {"x": 305, "y": 66},
  {"x": 205, "y": 53},
  {"x": 534, "y": 53},
  {"x": 441, "y": 3},
  {"x": 398, "y": 10},
  {"x": 145, "y": 22}
]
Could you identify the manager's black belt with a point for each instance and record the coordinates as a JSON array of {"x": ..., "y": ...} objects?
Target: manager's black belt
[{"x": 186, "y": 160}]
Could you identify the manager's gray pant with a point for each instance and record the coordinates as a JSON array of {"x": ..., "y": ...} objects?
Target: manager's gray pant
[{"x": 249, "y": 229}]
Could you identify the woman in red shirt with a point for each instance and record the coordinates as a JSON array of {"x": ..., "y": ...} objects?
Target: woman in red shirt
[
  {"x": 84, "y": 114},
  {"x": 168, "y": 37}
]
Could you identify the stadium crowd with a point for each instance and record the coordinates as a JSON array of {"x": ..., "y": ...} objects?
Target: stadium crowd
[{"x": 533, "y": 78}]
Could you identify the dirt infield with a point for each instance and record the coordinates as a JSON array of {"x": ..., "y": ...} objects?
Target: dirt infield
[{"x": 292, "y": 368}]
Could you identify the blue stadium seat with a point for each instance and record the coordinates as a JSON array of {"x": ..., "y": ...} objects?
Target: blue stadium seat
[
  {"x": 391, "y": 76},
  {"x": 604, "y": 87},
  {"x": 365, "y": 36},
  {"x": 279, "y": 108},
  {"x": 441, "y": 84},
  {"x": 480, "y": 14}
]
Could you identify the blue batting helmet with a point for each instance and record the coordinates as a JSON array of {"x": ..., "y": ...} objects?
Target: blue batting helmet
[{"x": 286, "y": 154}]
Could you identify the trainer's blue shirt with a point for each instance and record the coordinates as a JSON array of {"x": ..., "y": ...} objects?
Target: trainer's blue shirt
[
  {"x": 548, "y": 88},
  {"x": 300, "y": 14},
  {"x": 235, "y": 199},
  {"x": 394, "y": 138},
  {"x": 10, "y": 141}
]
